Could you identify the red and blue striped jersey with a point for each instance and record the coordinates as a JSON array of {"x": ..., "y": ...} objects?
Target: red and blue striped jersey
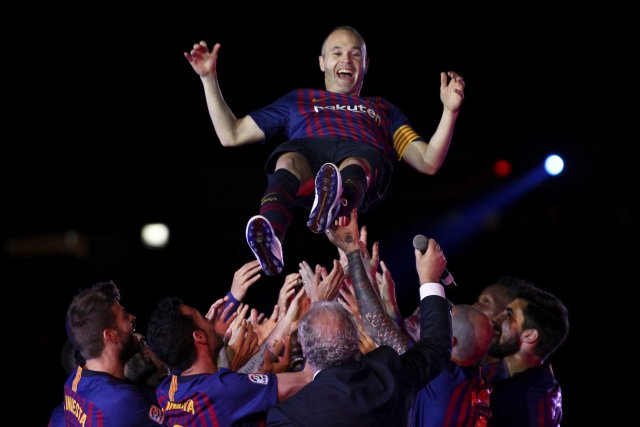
[
  {"x": 316, "y": 113},
  {"x": 457, "y": 397},
  {"x": 222, "y": 399},
  {"x": 97, "y": 399},
  {"x": 531, "y": 398}
]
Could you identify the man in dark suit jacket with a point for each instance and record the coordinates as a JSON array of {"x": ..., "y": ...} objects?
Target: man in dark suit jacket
[{"x": 376, "y": 389}]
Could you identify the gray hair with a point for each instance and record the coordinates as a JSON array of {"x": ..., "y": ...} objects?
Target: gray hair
[{"x": 328, "y": 335}]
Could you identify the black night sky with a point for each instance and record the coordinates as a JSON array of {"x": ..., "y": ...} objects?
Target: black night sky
[{"x": 108, "y": 129}]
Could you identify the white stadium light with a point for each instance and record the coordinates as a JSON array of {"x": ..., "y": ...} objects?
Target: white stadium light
[
  {"x": 553, "y": 164},
  {"x": 155, "y": 235}
]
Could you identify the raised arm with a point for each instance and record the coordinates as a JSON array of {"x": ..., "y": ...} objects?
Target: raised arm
[
  {"x": 380, "y": 327},
  {"x": 282, "y": 328},
  {"x": 320, "y": 285},
  {"x": 428, "y": 157},
  {"x": 348, "y": 301},
  {"x": 287, "y": 291},
  {"x": 387, "y": 290},
  {"x": 426, "y": 359},
  {"x": 230, "y": 130}
]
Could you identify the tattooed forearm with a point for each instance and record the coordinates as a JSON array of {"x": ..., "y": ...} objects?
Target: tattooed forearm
[
  {"x": 387, "y": 332},
  {"x": 393, "y": 312},
  {"x": 255, "y": 363},
  {"x": 378, "y": 324}
]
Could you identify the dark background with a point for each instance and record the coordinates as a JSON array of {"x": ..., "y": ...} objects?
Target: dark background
[{"x": 107, "y": 129}]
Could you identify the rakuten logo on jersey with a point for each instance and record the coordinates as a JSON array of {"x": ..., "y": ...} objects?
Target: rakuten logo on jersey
[{"x": 353, "y": 108}]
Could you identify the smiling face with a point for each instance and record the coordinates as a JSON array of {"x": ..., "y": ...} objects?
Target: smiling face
[{"x": 344, "y": 62}]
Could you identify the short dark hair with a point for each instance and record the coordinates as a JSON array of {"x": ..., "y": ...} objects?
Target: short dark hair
[
  {"x": 349, "y": 29},
  {"x": 548, "y": 315},
  {"x": 90, "y": 313},
  {"x": 512, "y": 284},
  {"x": 170, "y": 334}
]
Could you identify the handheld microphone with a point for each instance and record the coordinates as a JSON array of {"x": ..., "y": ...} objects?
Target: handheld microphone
[{"x": 421, "y": 242}]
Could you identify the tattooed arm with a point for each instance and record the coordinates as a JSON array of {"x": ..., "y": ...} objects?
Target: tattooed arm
[{"x": 379, "y": 326}]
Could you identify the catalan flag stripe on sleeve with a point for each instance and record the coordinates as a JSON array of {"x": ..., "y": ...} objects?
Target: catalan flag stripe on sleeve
[
  {"x": 402, "y": 138},
  {"x": 173, "y": 387}
]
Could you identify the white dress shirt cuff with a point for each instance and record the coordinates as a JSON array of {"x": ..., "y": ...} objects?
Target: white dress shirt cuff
[{"x": 431, "y": 289}]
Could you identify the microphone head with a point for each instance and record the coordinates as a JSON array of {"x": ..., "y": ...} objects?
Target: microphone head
[{"x": 421, "y": 242}]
